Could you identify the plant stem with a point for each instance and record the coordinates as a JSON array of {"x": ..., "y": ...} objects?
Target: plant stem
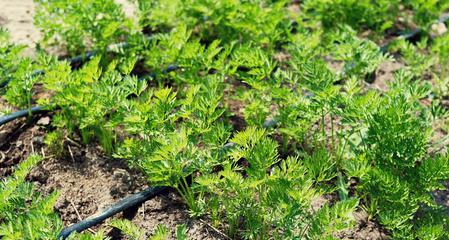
[{"x": 332, "y": 135}]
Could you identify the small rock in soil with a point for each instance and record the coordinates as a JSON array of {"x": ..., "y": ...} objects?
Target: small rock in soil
[
  {"x": 119, "y": 191},
  {"x": 121, "y": 174},
  {"x": 438, "y": 29},
  {"x": 38, "y": 139},
  {"x": 3, "y": 134},
  {"x": 40, "y": 176},
  {"x": 361, "y": 216},
  {"x": 19, "y": 144},
  {"x": 61, "y": 204},
  {"x": 44, "y": 121}
]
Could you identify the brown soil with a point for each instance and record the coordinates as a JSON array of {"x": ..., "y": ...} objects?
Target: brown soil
[
  {"x": 89, "y": 181},
  {"x": 17, "y": 140},
  {"x": 364, "y": 229},
  {"x": 17, "y": 17},
  {"x": 442, "y": 196},
  {"x": 235, "y": 107},
  {"x": 384, "y": 74}
]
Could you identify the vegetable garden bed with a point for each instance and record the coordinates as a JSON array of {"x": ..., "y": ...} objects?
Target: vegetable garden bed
[{"x": 227, "y": 120}]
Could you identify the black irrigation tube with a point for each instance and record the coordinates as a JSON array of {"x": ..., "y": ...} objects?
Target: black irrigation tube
[
  {"x": 150, "y": 192},
  {"x": 89, "y": 55},
  {"x": 22, "y": 113},
  {"x": 120, "y": 206},
  {"x": 414, "y": 33}
]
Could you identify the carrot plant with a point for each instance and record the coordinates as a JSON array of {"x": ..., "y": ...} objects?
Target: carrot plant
[
  {"x": 25, "y": 214},
  {"x": 19, "y": 73},
  {"x": 185, "y": 54},
  {"x": 9, "y": 53},
  {"x": 88, "y": 98},
  {"x": 169, "y": 156}
]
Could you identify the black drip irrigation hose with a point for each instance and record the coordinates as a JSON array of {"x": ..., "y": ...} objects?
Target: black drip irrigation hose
[
  {"x": 414, "y": 33},
  {"x": 22, "y": 113},
  {"x": 81, "y": 58},
  {"x": 91, "y": 54},
  {"x": 120, "y": 206}
]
